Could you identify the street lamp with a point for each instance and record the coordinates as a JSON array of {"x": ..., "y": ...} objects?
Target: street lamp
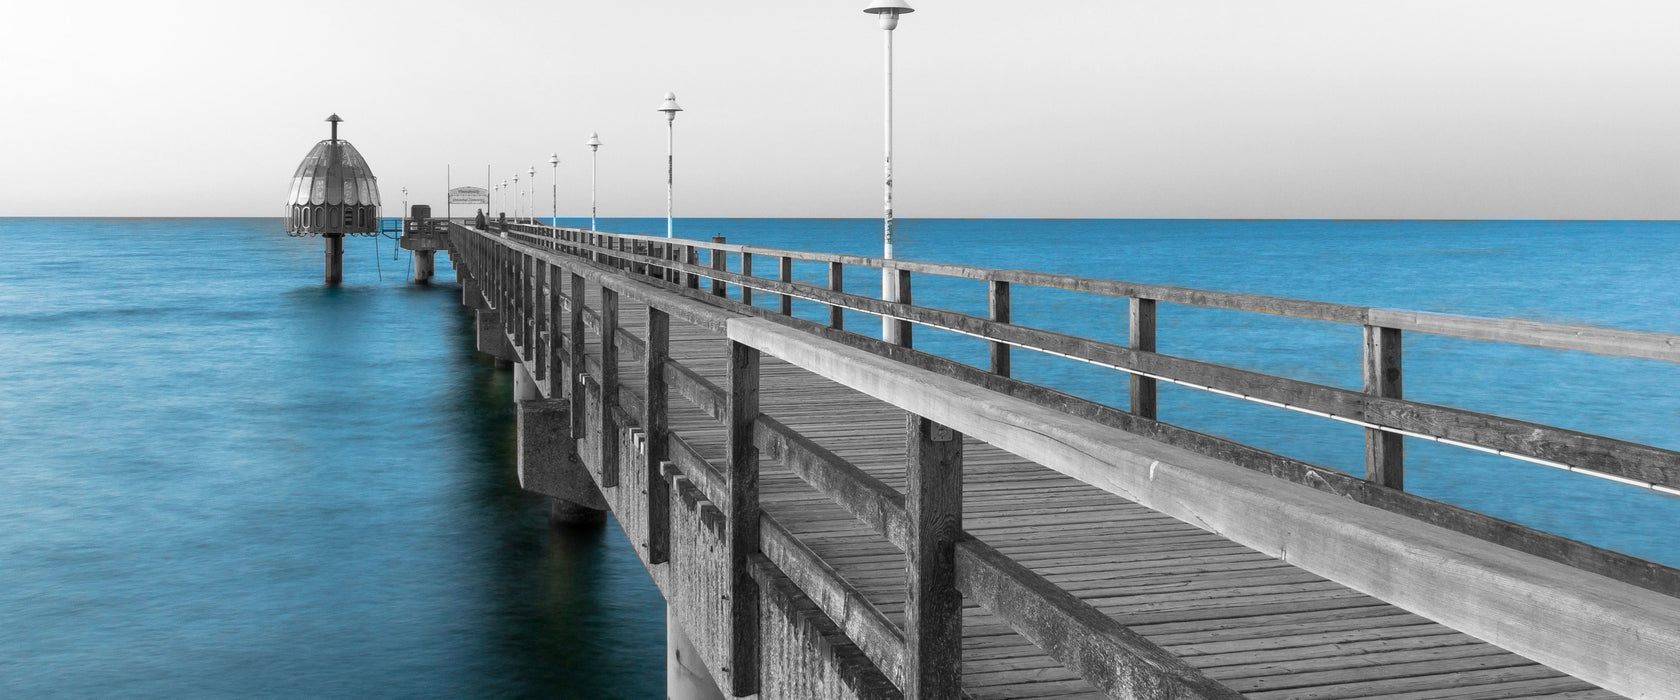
[
  {"x": 515, "y": 193},
  {"x": 670, "y": 108},
  {"x": 554, "y": 160},
  {"x": 404, "y": 217},
  {"x": 594, "y": 144},
  {"x": 888, "y": 12},
  {"x": 531, "y": 186}
]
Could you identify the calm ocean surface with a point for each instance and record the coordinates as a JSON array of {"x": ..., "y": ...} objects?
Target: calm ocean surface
[{"x": 219, "y": 478}]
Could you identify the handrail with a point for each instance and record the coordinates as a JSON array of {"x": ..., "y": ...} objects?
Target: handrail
[
  {"x": 1593, "y": 455},
  {"x": 1591, "y": 339},
  {"x": 1614, "y": 635}
]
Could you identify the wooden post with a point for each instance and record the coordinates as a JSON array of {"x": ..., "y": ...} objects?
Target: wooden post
[
  {"x": 903, "y": 298},
  {"x": 836, "y": 283},
  {"x": 543, "y": 342},
  {"x": 558, "y": 386},
  {"x": 693, "y": 257},
  {"x": 1142, "y": 337},
  {"x": 505, "y": 303},
  {"x": 720, "y": 262},
  {"x": 743, "y": 518},
  {"x": 528, "y": 299},
  {"x": 575, "y": 365},
  {"x": 1385, "y": 452},
  {"x": 784, "y": 273},
  {"x": 933, "y": 609},
  {"x": 998, "y": 302},
  {"x": 656, "y": 421},
  {"x": 609, "y": 387},
  {"x": 746, "y": 271}
]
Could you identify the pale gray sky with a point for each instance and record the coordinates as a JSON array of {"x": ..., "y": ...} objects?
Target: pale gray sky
[{"x": 1083, "y": 108}]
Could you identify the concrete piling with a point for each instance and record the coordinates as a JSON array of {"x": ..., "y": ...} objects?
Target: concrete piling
[
  {"x": 686, "y": 677},
  {"x": 424, "y": 266}
]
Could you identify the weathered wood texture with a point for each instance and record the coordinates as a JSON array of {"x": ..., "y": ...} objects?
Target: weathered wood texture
[
  {"x": 933, "y": 501},
  {"x": 1245, "y": 620},
  {"x": 1600, "y": 630},
  {"x": 1619, "y": 458}
]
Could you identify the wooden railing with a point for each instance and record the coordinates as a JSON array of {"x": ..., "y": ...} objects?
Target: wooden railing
[
  {"x": 1380, "y": 408},
  {"x": 539, "y": 273},
  {"x": 688, "y": 499}
]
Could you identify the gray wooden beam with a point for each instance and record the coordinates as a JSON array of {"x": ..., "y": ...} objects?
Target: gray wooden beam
[
  {"x": 743, "y": 516},
  {"x": 1385, "y": 452},
  {"x": 933, "y": 607}
]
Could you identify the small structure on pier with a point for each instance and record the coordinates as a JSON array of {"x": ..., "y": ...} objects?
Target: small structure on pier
[
  {"x": 334, "y": 194},
  {"x": 424, "y": 235}
]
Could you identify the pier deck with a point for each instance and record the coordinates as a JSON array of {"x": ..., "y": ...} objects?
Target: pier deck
[
  {"x": 796, "y": 493},
  {"x": 1256, "y": 624}
]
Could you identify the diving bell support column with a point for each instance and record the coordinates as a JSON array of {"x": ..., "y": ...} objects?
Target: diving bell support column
[{"x": 335, "y": 259}]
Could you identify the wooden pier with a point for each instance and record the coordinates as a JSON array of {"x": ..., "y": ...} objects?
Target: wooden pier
[{"x": 831, "y": 516}]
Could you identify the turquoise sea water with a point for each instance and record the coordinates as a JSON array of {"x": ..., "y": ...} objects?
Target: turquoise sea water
[{"x": 219, "y": 478}]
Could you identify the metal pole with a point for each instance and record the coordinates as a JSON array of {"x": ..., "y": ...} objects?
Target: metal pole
[
  {"x": 594, "y": 153},
  {"x": 555, "y": 215},
  {"x": 889, "y": 286},
  {"x": 670, "y": 169}
]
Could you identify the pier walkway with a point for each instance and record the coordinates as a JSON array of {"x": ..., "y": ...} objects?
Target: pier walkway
[{"x": 830, "y": 515}]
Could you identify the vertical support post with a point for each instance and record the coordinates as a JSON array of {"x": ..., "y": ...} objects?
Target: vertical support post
[
  {"x": 1142, "y": 337},
  {"x": 746, "y": 271},
  {"x": 558, "y": 380},
  {"x": 901, "y": 328},
  {"x": 997, "y": 301},
  {"x": 575, "y": 365},
  {"x": 933, "y": 609},
  {"x": 609, "y": 387},
  {"x": 1385, "y": 452},
  {"x": 784, "y": 273},
  {"x": 836, "y": 283},
  {"x": 528, "y": 300},
  {"x": 693, "y": 257},
  {"x": 542, "y": 342},
  {"x": 655, "y": 420},
  {"x": 743, "y": 517},
  {"x": 720, "y": 262}
]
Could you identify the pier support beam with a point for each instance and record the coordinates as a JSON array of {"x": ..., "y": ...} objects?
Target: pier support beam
[
  {"x": 548, "y": 462},
  {"x": 423, "y": 266},
  {"x": 686, "y": 677},
  {"x": 335, "y": 259},
  {"x": 472, "y": 293},
  {"x": 492, "y": 340}
]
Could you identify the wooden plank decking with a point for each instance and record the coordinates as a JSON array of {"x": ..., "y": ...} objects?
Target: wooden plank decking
[{"x": 1254, "y": 623}]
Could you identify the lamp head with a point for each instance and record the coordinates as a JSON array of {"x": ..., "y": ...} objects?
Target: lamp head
[
  {"x": 554, "y": 159},
  {"x": 888, "y": 11},
  {"x": 669, "y": 107},
  {"x": 533, "y": 170},
  {"x": 594, "y": 141}
]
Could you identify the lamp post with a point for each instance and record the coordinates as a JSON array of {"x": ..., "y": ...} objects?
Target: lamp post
[
  {"x": 516, "y": 197},
  {"x": 554, "y": 160},
  {"x": 670, "y": 108},
  {"x": 594, "y": 144},
  {"x": 888, "y": 11},
  {"x": 531, "y": 188},
  {"x": 404, "y": 217}
]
